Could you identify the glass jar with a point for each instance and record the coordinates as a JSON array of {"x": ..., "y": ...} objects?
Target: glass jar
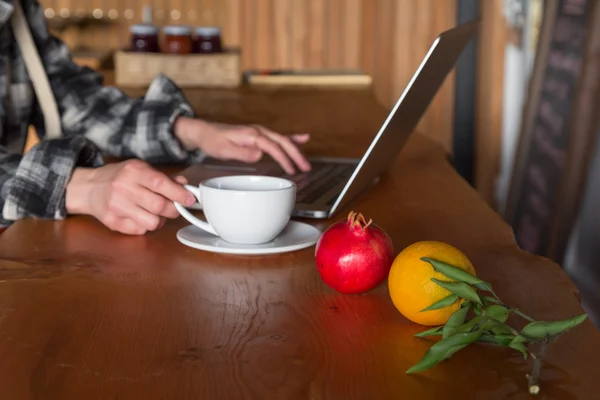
[
  {"x": 208, "y": 40},
  {"x": 144, "y": 38},
  {"x": 178, "y": 39}
]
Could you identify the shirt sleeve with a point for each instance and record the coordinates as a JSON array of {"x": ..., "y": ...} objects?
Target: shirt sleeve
[
  {"x": 119, "y": 125},
  {"x": 34, "y": 185}
]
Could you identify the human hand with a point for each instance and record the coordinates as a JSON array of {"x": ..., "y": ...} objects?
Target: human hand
[
  {"x": 242, "y": 142},
  {"x": 130, "y": 197}
]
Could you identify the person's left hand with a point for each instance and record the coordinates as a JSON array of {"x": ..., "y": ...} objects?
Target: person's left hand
[{"x": 242, "y": 142}]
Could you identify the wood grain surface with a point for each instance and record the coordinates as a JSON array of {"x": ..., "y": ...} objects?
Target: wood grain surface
[{"x": 86, "y": 313}]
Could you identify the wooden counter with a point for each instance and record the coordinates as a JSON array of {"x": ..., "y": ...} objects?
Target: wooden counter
[{"x": 90, "y": 314}]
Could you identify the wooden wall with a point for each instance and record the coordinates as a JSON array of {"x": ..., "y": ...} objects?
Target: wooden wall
[
  {"x": 386, "y": 38},
  {"x": 489, "y": 98}
]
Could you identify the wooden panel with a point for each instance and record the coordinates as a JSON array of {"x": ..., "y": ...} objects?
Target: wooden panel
[
  {"x": 173, "y": 16},
  {"x": 316, "y": 22},
  {"x": 282, "y": 32},
  {"x": 351, "y": 32},
  {"x": 386, "y": 38},
  {"x": 112, "y": 13},
  {"x": 300, "y": 34},
  {"x": 403, "y": 46},
  {"x": 264, "y": 39},
  {"x": 369, "y": 36},
  {"x": 232, "y": 23},
  {"x": 332, "y": 37},
  {"x": 205, "y": 12},
  {"x": 383, "y": 45},
  {"x": 422, "y": 40},
  {"x": 490, "y": 82}
]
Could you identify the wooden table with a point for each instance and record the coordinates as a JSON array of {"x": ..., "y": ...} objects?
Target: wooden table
[{"x": 90, "y": 314}]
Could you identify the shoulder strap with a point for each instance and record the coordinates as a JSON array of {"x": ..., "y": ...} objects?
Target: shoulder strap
[{"x": 36, "y": 71}]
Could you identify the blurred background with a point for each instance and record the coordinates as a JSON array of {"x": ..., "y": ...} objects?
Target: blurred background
[
  {"x": 387, "y": 39},
  {"x": 484, "y": 115}
]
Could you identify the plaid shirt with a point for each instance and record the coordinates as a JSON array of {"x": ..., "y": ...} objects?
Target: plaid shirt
[{"x": 96, "y": 120}]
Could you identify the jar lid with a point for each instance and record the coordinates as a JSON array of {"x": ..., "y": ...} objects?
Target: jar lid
[
  {"x": 143, "y": 29},
  {"x": 208, "y": 30},
  {"x": 177, "y": 30}
]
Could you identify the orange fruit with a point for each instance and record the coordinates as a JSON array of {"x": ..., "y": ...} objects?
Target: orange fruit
[{"x": 410, "y": 285}]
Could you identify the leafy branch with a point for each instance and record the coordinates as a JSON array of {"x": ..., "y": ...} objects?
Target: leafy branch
[{"x": 487, "y": 325}]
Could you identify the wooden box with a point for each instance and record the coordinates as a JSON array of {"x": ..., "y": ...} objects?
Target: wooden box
[{"x": 191, "y": 70}]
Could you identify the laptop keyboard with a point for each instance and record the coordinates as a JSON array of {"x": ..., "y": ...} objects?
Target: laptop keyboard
[{"x": 320, "y": 179}]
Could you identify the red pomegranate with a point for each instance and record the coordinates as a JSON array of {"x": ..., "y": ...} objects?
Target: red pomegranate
[{"x": 353, "y": 255}]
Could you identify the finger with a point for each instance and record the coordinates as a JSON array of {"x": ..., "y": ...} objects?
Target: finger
[
  {"x": 152, "y": 202},
  {"x": 292, "y": 151},
  {"x": 126, "y": 208},
  {"x": 155, "y": 203},
  {"x": 129, "y": 227},
  {"x": 253, "y": 139},
  {"x": 123, "y": 225},
  {"x": 182, "y": 180},
  {"x": 170, "y": 211},
  {"x": 272, "y": 148},
  {"x": 300, "y": 138},
  {"x": 161, "y": 184},
  {"x": 140, "y": 172}
]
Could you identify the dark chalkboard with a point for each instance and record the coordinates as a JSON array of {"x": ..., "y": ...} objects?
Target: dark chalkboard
[{"x": 558, "y": 128}]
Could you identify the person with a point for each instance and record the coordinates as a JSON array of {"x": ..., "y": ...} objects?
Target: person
[{"x": 67, "y": 175}]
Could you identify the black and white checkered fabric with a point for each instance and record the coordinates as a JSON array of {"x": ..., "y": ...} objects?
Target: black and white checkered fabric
[{"x": 96, "y": 120}]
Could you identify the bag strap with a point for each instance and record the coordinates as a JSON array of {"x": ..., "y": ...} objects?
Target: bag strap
[{"x": 36, "y": 71}]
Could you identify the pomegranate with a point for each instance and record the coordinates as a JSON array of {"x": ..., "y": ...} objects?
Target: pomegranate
[{"x": 353, "y": 255}]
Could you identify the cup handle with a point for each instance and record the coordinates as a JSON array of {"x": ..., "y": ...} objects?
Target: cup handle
[{"x": 188, "y": 215}]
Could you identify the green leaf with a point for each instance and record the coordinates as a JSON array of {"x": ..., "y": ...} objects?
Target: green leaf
[
  {"x": 445, "y": 302},
  {"x": 487, "y": 324},
  {"x": 501, "y": 329},
  {"x": 484, "y": 286},
  {"x": 504, "y": 340},
  {"x": 459, "y": 288},
  {"x": 519, "y": 347},
  {"x": 518, "y": 339},
  {"x": 543, "y": 329},
  {"x": 496, "y": 301},
  {"x": 443, "y": 350},
  {"x": 455, "y": 320},
  {"x": 468, "y": 326},
  {"x": 478, "y": 309},
  {"x": 499, "y": 313},
  {"x": 492, "y": 300},
  {"x": 487, "y": 338},
  {"x": 523, "y": 315},
  {"x": 501, "y": 340},
  {"x": 437, "y": 331},
  {"x": 453, "y": 350},
  {"x": 452, "y": 272}
]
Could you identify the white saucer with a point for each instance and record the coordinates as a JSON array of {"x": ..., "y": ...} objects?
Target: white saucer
[{"x": 295, "y": 236}]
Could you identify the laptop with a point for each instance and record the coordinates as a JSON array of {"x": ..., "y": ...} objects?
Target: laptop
[{"x": 334, "y": 182}]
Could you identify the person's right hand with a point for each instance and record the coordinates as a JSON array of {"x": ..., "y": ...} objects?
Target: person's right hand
[{"x": 130, "y": 197}]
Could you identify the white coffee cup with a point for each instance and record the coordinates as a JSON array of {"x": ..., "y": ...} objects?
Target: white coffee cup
[{"x": 244, "y": 209}]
